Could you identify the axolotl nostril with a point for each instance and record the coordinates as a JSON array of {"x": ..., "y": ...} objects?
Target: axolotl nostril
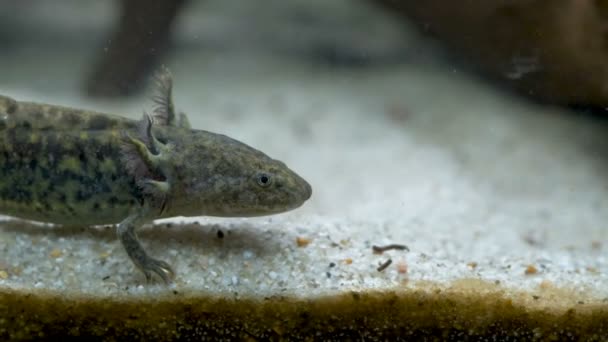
[{"x": 77, "y": 167}]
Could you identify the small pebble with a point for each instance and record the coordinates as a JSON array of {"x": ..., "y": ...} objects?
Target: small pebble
[
  {"x": 302, "y": 241},
  {"x": 531, "y": 270},
  {"x": 56, "y": 253},
  {"x": 247, "y": 254},
  {"x": 104, "y": 255},
  {"x": 592, "y": 270},
  {"x": 402, "y": 267}
]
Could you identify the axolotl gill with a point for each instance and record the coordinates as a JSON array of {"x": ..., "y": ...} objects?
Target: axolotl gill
[{"x": 77, "y": 167}]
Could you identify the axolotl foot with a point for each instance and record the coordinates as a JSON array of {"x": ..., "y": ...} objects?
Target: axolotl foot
[
  {"x": 161, "y": 268},
  {"x": 136, "y": 252}
]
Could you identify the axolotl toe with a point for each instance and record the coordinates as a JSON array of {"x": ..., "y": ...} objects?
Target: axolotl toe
[{"x": 76, "y": 167}]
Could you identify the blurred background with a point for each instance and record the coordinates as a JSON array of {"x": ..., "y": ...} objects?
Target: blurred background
[
  {"x": 113, "y": 46},
  {"x": 549, "y": 51},
  {"x": 473, "y": 99},
  {"x": 391, "y": 109}
]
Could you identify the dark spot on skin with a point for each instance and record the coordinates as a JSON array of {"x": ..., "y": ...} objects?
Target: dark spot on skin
[
  {"x": 12, "y": 106},
  {"x": 53, "y": 111},
  {"x": 37, "y": 116},
  {"x": 113, "y": 201},
  {"x": 55, "y": 150},
  {"x": 97, "y": 177},
  {"x": 124, "y": 203},
  {"x": 24, "y": 196},
  {"x": 72, "y": 118},
  {"x": 100, "y": 122},
  {"x": 82, "y": 195},
  {"x": 99, "y": 155},
  {"x": 235, "y": 197}
]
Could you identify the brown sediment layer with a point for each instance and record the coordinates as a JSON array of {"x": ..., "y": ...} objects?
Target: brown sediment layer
[{"x": 465, "y": 309}]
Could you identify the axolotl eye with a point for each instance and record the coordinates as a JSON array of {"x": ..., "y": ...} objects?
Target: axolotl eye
[{"x": 264, "y": 179}]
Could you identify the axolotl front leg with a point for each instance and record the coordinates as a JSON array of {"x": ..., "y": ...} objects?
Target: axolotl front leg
[
  {"x": 146, "y": 156},
  {"x": 148, "y": 160},
  {"x": 141, "y": 259}
]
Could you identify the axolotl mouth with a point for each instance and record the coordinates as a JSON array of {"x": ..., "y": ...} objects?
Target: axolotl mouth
[{"x": 296, "y": 190}]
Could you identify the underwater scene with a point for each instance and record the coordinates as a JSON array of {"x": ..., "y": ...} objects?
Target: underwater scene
[{"x": 303, "y": 170}]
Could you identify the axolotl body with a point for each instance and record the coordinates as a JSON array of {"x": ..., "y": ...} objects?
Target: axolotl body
[{"x": 77, "y": 167}]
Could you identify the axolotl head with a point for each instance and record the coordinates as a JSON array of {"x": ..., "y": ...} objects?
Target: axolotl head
[{"x": 224, "y": 177}]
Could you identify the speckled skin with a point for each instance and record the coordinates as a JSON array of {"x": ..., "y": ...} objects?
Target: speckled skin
[{"x": 77, "y": 167}]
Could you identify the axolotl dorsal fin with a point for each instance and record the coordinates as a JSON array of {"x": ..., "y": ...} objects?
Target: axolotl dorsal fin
[{"x": 164, "y": 112}]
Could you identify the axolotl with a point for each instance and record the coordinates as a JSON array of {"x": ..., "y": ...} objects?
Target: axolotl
[{"x": 77, "y": 167}]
